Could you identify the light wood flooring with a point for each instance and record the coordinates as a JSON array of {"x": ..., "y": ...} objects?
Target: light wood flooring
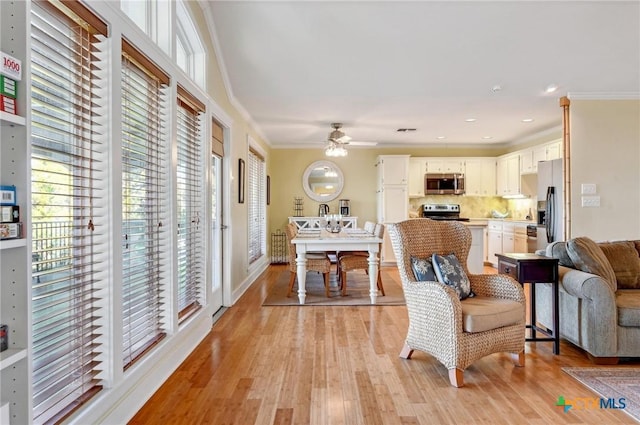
[{"x": 340, "y": 365}]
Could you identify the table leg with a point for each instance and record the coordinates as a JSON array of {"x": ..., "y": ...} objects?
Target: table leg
[
  {"x": 556, "y": 317},
  {"x": 373, "y": 276},
  {"x": 532, "y": 305},
  {"x": 301, "y": 262}
]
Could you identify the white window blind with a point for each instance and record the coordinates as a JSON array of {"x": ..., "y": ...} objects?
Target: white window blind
[
  {"x": 189, "y": 180},
  {"x": 256, "y": 198},
  {"x": 69, "y": 232},
  {"x": 143, "y": 198}
]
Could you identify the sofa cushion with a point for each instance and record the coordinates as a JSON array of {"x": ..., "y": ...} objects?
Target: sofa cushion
[
  {"x": 450, "y": 272},
  {"x": 481, "y": 314},
  {"x": 625, "y": 261},
  {"x": 558, "y": 249},
  {"x": 588, "y": 257},
  {"x": 628, "y": 303},
  {"x": 423, "y": 269}
]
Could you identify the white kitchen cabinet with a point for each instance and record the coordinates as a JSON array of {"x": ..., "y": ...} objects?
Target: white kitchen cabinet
[
  {"x": 445, "y": 165},
  {"x": 554, "y": 150},
  {"x": 393, "y": 169},
  {"x": 508, "y": 175},
  {"x": 480, "y": 176},
  {"x": 505, "y": 237},
  {"x": 15, "y": 284},
  {"x": 392, "y": 196},
  {"x": 530, "y": 157},
  {"x": 494, "y": 244},
  {"x": 417, "y": 170},
  {"x": 475, "y": 260},
  {"x": 508, "y": 237}
]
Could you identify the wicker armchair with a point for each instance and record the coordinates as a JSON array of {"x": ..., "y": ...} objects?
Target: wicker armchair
[
  {"x": 318, "y": 262},
  {"x": 442, "y": 325},
  {"x": 358, "y": 260}
]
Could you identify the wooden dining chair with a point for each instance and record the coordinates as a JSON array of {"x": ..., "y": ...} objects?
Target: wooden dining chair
[
  {"x": 316, "y": 261},
  {"x": 359, "y": 261}
]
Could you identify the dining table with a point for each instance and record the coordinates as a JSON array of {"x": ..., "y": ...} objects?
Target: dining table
[{"x": 319, "y": 239}]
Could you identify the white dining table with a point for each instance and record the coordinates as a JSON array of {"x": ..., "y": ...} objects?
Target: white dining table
[{"x": 314, "y": 240}]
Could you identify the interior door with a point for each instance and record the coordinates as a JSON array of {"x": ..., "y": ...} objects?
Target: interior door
[{"x": 216, "y": 232}]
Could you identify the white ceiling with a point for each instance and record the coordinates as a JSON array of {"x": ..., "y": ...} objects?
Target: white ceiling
[{"x": 297, "y": 66}]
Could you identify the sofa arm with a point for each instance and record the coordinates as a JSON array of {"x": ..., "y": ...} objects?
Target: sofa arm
[{"x": 599, "y": 312}]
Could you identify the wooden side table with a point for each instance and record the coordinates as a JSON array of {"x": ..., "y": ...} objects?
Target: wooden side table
[{"x": 532, "y": 269}]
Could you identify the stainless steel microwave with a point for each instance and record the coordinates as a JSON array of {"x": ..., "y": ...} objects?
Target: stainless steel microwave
[{"x": 443, "y": 184}]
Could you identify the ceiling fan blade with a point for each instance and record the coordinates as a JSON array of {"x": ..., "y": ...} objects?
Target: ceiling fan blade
[{"x": 356, "y": 143}]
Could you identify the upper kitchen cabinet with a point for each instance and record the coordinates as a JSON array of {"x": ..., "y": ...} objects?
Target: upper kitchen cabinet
[
  {"x": 554, "y": 150},
  {"x": 530, "y": 157},
  {"x": 393, "y": 169},
  {"x": 480, "y": 176},
  {"x": 508, "y": 175},
  {"x": 445, "y": 165},
  {"x": 417, "y": 170}
]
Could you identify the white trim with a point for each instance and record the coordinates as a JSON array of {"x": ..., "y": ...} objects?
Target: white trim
[
  {"x": 256, "y": 269},
  {"x": 604, "y": 95}
]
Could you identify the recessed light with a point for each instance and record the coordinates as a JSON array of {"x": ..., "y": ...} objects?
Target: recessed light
[
  {"x": 470, "y": 120},
  {"x": 551, "y": 88},
  {"x": 441, "y": 137},
  {"x": 487, "y": 137},
  {"x": 527, "y": 120},
  {"x": 496, "y": 88}
]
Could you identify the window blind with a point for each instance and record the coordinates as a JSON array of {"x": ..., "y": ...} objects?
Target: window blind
[
  {"x": 256, "y": 198},
  {"x": 143, "y": 196},
  {"x": 68, "y": 227},
  {"x": 189, "y": 181}
]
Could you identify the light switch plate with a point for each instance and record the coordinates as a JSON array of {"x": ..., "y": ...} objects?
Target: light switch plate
[
  {"x": 588, "y": 188},
  {"x": 590, "y": 201}
]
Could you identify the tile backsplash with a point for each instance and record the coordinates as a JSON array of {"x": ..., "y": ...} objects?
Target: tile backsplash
[{"x": 478, "y": 206}]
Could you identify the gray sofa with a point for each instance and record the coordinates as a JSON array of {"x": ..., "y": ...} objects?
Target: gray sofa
[{"x": 599, "y": 297}]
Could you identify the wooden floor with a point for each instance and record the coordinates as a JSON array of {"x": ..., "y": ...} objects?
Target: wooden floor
[{"x": 340, "y": 365}]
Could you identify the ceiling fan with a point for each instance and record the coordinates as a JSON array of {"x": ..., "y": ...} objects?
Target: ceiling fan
[{"x": 337, "y": 140}]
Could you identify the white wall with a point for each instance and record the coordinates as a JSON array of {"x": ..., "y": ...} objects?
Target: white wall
[{"x": 605, "y": 150}]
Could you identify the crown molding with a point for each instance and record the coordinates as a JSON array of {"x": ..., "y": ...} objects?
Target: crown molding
[{"x": 604, "y": 96}]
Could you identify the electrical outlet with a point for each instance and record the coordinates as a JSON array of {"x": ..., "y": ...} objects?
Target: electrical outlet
[
  {"x": 590, "y": 201},
  {"x": 588, "y": 188}
]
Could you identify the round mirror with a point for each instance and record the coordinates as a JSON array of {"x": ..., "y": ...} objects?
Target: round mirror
[{"x": 323, "y": 181}]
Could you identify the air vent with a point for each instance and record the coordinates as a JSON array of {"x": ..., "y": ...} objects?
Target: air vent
[{"x": 405, "y": 129}]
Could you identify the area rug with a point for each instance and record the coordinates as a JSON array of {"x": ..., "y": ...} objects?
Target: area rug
[
  {"x": 357, "y": 291},
  {"x": 612, "y": 383}
]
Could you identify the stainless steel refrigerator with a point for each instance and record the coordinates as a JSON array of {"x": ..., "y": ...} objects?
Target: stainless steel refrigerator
[{"x": 550, "y": 202}]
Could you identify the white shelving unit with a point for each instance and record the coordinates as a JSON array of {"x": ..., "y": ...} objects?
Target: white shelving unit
[{"x": 15, "y": 258}]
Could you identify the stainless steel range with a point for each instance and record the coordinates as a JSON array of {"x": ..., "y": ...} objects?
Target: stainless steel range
[{"x": 442, "y": 212}]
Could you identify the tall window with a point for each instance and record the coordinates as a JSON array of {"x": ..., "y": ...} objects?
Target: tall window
[
  {"x": 143, "y": 195},
  {"x": 190, "y": 194},
  {"x": 68, "y": 228},
  {"x": 190, "y": 54},
  {"x": 256, "y": 197}
]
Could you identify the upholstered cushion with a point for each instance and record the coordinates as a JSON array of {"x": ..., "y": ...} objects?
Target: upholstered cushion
[
  {"x": 450, "y": 272},
  {"x": 423, "y": 269},
  {"x": 558, "y": 249},
  {"x": 481, "y": 314},
  {"x": 588, "y": 257},
  {"x": 628, "y": 303},
  {"x": 625, "y": 262}
]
